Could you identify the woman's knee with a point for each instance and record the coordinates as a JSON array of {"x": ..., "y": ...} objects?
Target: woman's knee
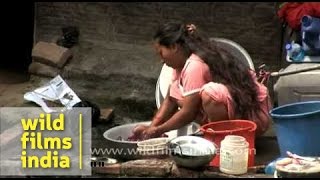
[
  {"x": 206, "y": 99},
  {"x": 215, "y": 110}
]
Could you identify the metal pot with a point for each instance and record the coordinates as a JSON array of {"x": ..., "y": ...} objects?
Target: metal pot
[
  {"x": 192, "y": 151},
  {"x": 286, "y": 174},
  {"x": 118, "y": 147},
  {"x": 297, "y": 167}
]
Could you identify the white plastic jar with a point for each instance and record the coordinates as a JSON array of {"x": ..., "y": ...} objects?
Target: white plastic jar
[{"x": 234, "y": 152}]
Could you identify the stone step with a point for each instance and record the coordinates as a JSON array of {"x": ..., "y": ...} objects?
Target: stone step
[{"x": 166, "y": 167}]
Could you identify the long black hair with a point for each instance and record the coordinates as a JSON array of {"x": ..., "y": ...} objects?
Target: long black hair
[{"x": 224, "y": 67}]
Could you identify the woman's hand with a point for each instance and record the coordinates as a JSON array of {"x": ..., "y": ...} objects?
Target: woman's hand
[
  {"x": 146, "y": 132},
  {"x": 138, "y": 130},
  {"x": 151, "y": 132}
]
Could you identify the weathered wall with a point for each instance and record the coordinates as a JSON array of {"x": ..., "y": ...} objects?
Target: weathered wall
[{"x": 253, "y": 25}]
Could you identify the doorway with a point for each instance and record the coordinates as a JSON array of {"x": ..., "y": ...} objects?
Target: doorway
[{"x": 17, "y": 39}]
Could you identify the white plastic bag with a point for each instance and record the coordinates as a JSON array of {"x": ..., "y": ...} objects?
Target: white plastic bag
[{"x": 56, "y": 89}]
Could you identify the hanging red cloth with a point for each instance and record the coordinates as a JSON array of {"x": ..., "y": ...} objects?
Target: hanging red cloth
[{"x": 292, "y": 12}]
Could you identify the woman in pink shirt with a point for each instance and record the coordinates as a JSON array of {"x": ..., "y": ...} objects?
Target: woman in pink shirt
[{"x": 208, "y": 84}]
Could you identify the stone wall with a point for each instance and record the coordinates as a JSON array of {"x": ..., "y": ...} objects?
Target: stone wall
[{"x": 253, "y": 25}]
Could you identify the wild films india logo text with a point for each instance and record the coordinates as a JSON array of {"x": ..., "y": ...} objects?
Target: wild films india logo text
[{"x": 50, "y": 143}]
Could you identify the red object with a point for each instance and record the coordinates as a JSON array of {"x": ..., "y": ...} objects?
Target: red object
[
  {"x": 292, "y": 12},
  {"x": 221, "y": 129}
]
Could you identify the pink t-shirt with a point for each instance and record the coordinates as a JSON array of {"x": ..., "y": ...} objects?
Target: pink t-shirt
[
  {"x": 191, "y": 78},
  {"x": 195, "y": 77}
]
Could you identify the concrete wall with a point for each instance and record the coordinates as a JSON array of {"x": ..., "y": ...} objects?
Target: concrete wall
[{"x": 253, "y": 25}]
